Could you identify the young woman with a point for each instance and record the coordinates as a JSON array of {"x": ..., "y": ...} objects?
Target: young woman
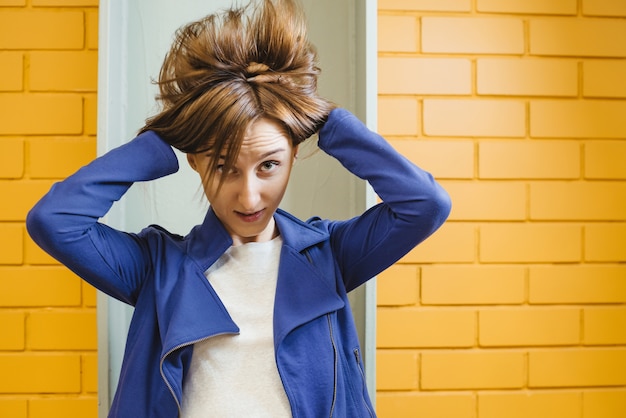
[{"x": 247, "y": 315}]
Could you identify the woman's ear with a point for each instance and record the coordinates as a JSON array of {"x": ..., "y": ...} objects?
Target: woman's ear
[
  {"x": 191, "y": 159},
  {"x": 295, "y": 154}
]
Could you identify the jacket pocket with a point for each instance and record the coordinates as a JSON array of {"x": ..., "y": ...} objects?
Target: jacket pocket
[
  {"x": 332, "y": 341},
  {"x": 364, "y": 394}
]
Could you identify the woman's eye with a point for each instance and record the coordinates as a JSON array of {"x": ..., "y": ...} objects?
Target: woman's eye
[
  {"x": 220, "y": 169},
  {"x": 269, "y": 165}
]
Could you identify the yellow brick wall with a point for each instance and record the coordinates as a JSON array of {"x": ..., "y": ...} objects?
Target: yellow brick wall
[
  {"x": 48, "y": 80},
  {"x": 516, "y": 308}
]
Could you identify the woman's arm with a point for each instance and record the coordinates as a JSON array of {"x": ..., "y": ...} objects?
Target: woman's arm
[
  {"x": 65, "y": 221},
  {"x": 413, "y": 204}
]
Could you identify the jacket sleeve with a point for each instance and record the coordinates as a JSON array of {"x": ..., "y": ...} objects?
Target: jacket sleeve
[
  {"x": 413, "y": 204},
  {"x": 65, "y": 222}
]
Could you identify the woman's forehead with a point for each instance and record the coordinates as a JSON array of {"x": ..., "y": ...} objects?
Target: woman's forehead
[
  {"x": 264, "y": 132},
  {"x": 262, "y": 139}
]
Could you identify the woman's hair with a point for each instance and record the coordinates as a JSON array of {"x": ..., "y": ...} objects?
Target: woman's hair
[{"x": 229, "y": 69}]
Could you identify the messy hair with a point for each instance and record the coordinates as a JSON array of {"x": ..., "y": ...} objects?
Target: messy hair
[{"x": 229, "y": 69}]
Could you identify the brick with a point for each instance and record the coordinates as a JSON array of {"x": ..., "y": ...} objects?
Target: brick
[
  {"x": 577, "y": 368},
  {"x": 65, "y": 3},
  {"x": 577, "y": 119},
  {"x": 577, "y": 284},
  {"x": 604, "y": 8},
  {"x": 59, "y": 157},
  {"x": 55, "y": 29},
  {"x": 604, "y": 326},
  {"x": 398, "y": 286},
  {"x": 5, "y": 3},
  {"x": 559, "y": 7},
  {"x": 420, "y": 76},
  {"x": 11, "y": 158},
  {"x": 14, "y": 408},
  {"x": 12, "y": 243},
  {"x": 62, "y": 408},
  {"x": 75, "y": 330},
  {"x": 519, "y": 327},
  {"x": 604, "y": 78},
  {"x": 605, "y": 160},
  {"x": 40, "y": 114},
  {"x": 605, "y": 242},
  {"x": 527, "y": 77},
  {"x": 414, "y": 404},
  {"x": 398, "y": 116},
  {"x": 90, "y": 373},
  {"x": 604, "y": 404},
  {"x": 396, "y": 370},
  {"x": 90, "y": 111},
  {"x": 13, "y": 331},
  {"x": 426, "y": 5},
  {"x": 452, "y": 243},
  {"x": 24, "y": 194},
  {"x": 454, "y": 370},
  {"x": 12, "y": 71},
  {"x": 421, "y": 328},
  {"x": 487, "y": 118},
  {"x": 473, "y": 35},
  {"x": 398, "y": 33},
  {"x": 63, "y": 70},
  {"x": 577, "y": 37},
  {"x": 530, "y": 243},
  {"x": 56, "y": 286},
  {"x": 45, "y": 373},
  {"x": 486, "y": 200},
  {"x": 591, "y": 201},
  {"x": 472, "y": 285},
  {"x": 443, "y": 158},
  {"x": 34, "y": 255},
  {"x": 91, "y": 31},
  {"x": 523, "y": 159},
  {"x": 524, "y": 405},
  {"x": 90, "y": 295}
]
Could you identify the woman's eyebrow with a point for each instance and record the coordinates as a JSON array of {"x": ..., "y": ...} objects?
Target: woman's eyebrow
[
  {"x": 276, "y": 151},
  {"x": 264, "y": 155}
]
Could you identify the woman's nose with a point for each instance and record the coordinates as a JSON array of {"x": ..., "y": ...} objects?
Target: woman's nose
[{"x": 249, "y": 193}]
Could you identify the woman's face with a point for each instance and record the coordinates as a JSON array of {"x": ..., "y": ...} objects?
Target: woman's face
[{"x": 255, "y": 186}]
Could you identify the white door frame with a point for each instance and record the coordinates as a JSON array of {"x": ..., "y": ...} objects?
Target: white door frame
[{"x": 133, "y": 38}]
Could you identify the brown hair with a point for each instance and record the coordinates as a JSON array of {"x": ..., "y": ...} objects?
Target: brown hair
[{"x": 229, "y": 69}]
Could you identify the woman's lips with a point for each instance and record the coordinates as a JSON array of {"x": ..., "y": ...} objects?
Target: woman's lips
[{"x": 250, "y": 217}]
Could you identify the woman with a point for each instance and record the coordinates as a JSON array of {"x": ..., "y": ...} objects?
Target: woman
[{"x": 248, "y": 314}]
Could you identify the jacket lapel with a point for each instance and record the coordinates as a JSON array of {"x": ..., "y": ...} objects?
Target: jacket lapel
[
  {"x": 302, "y": 294},
  {"x": 194, "y": 311}
]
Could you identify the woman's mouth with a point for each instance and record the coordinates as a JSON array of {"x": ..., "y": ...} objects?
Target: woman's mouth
[{"x": 250, "y": 217}]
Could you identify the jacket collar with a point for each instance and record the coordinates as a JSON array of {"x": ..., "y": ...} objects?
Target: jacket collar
[
  {"x": 302, "y": 292},
  {"x": 297, "y": 234},
  {"x": 209, "y": 240}
]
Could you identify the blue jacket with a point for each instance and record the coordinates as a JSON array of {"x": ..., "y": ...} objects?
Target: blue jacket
[{"x": 162, "y": 274}]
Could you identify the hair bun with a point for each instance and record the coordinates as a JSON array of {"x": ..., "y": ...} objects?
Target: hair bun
[
  {"x": 260, "y": 73},
  {"x": 254, "y": 68}
]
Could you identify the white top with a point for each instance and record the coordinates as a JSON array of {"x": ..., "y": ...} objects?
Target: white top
[{"x": 235, "y": 375}]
